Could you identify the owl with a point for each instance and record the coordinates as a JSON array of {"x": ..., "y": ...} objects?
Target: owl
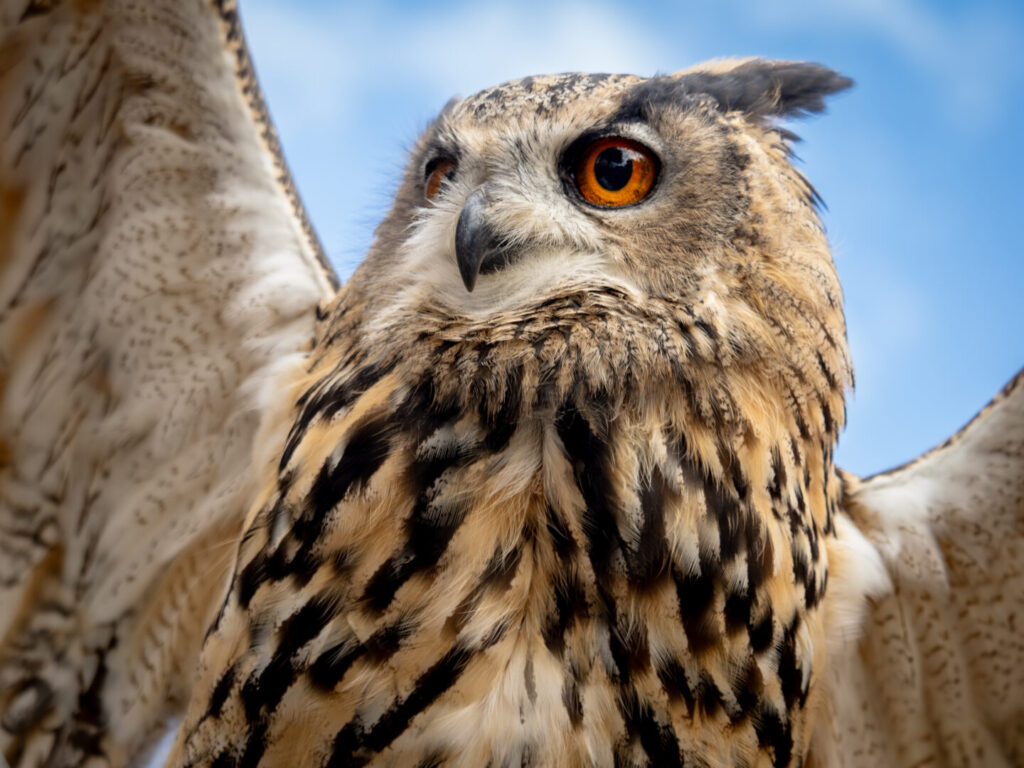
[{"x": 548, "y": 482}]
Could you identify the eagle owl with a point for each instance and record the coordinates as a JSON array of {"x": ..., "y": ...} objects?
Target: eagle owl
[{"x": 548, "y": 482}]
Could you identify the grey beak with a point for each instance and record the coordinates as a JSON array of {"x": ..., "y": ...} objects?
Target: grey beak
[
  {"x": 478, "y": 249},
  {"x": 473, "y": 237}
]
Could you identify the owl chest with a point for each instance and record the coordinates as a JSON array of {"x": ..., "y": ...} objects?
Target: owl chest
[
  {"x": 512, "y": 596},
  {"x": 504, "y": 678}
]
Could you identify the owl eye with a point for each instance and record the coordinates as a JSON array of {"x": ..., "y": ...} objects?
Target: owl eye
[
  {"x": 439, "y": 170},
  {"x": 613, "y": 172}
]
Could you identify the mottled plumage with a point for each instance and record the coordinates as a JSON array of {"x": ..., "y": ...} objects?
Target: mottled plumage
[{"x": 544, "y": 483}]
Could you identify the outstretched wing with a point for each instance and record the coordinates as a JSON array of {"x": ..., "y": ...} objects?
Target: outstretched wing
[
  {"x": 158, "y": 283},
  {"x": 938, "y": 678}
]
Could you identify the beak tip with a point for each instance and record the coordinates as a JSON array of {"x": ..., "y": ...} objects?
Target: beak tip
[{"x": 468, "y": 274}]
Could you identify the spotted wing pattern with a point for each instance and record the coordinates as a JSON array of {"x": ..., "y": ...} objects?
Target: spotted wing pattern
[
  {"x": 937, "y": 677},
  {"x": 158, "y": 283}
]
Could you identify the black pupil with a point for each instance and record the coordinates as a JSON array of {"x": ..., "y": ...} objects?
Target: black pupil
[{"x": 613, "y": 169}]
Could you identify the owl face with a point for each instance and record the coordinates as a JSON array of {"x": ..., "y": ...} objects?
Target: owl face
[{"x": 676, "y": 187}]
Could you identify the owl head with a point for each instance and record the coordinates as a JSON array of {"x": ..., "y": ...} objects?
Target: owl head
[{"x": 676, "y": 189}]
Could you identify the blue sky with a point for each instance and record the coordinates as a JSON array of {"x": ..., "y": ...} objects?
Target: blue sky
[{"x": 920, "y": 164}]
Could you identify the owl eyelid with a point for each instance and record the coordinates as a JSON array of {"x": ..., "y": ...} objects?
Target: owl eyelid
[
  {"x": 438, "y": 159},
  {"x": 631, "y": 130}
]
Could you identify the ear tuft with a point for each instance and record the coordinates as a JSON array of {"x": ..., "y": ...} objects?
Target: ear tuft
[{"x": 767, "y": 88}]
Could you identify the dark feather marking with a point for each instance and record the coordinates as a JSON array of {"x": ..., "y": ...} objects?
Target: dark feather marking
[
  {"x": 255, "y": 746},
  {"x": 501, "y": 568},
  {"x": 587, "y": 454},
  {"x": 330, "y": 667},
  {"x": 801, "y": 568},
  {"x": 368, "y": 446},
  {"x": 762, "y": 632},
  {"x": 424, "y": 412},
  {"x": 773, "y": 732},
  {"x": 342, "y": 562},
  {"x": 530, "y": 680},
  {"x": 630, "y": 650},
  {"x": 737, "y": 610},
  {"x": 354, "y": 747},
  {"x": 631, "y": 653},
  {"x": 695, "y": 593},
  {"x": 797, "y": 513},
  {"x": 658, "y": 739},
  {"x": 778, "y": 482},
  {"x": 385, "y": 642},
  {"x": 748, "y": 691},
  {"x": 422, "y": 473},
  {"x": 830, "y": 377},
  {"x": 426, "y": 540},
  {"x": 811, "y": 593},
  {"x": 650, "y": 561},
  {"x": 303, "y": 564},
  {"x": 570, "y": 598},
  {"x": 573, "y": 702},
  {"x": 346, "y": 743},
  {"x": 561, "y": 537},
  {"x": 328, "y": 402},
  {"x": 497, "y": 575},
  {"x": 729, "y": 516},
  {"x": 734, "y": 469},
  {"x": 249, "y": 580},
  {"x": 826, "y": 415},
  {"x": 673, "y": 680},
  {"x": 709, "y": 330},
  {"x": 790, "y": 675},
  {"x": 261, "y": 694},
  {"x": 220, "y": 693},
  {"x": 801, "y": 425},
  {"x": 708, "y": 696},
  {"x": 502, "y": 423}
]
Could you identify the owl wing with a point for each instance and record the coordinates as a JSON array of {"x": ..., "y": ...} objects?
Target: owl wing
[
  {"x": 938, "y": 675},
  {"x": 158, "y": 283}
]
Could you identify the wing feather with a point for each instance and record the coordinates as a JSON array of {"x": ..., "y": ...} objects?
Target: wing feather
[
  {"x": 938, "y": 675},
  {"x": 158, "y": 284}
]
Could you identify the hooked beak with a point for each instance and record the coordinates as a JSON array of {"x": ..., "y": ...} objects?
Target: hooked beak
[{"x": 477, "y": 249}]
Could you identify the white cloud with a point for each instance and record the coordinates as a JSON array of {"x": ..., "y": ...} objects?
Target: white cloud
[
  {"x": 483, "y": 44},
  {"x": 332, "y": 55}
]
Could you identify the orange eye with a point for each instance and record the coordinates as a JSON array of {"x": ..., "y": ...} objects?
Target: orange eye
[
  {"x": 613, "y": 172},
  {"x": 438, "y": 171}
]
